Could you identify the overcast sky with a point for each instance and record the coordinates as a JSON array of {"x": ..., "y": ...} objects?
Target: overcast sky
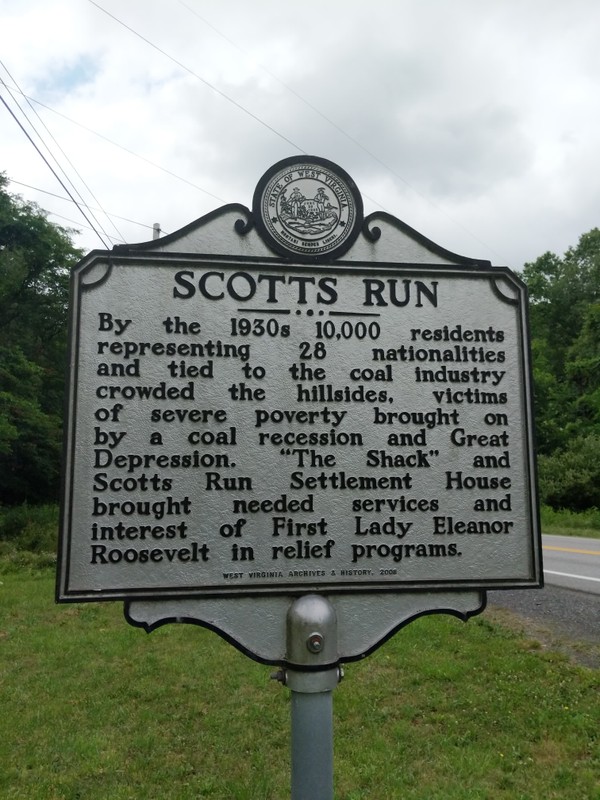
[{"x": 474, "y": 121}]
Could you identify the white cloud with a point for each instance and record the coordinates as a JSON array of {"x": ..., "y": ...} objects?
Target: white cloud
[{"x": 473, "y": 122}]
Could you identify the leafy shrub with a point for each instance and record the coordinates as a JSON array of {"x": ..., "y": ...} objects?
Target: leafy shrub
[
  {"x": 31, "y": 528},
  {"x": 556, "y": 519},
  {"x": 21, "y": 561},
  {"x": 570, "y": 478}
]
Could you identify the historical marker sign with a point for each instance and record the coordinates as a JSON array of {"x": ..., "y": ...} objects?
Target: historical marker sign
[{"x": 292, "y": 401}]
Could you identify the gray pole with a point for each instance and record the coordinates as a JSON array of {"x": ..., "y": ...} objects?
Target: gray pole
[
  {"x": 312, "y": 741},
  {"x": 312, "y": 674}
]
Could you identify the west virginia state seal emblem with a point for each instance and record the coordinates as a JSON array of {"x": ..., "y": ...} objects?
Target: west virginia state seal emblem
[{"x": 308, "y": 207}]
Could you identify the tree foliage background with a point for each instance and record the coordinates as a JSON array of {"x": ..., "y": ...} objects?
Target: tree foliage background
[
  {"x": 565, "y": 329},
  {"x": 35, "y": 260}
]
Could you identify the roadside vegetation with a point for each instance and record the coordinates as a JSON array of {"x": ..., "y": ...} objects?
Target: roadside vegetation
[
  {"x": 570, "y": 523},
  {"x": 28, "y": 538}
]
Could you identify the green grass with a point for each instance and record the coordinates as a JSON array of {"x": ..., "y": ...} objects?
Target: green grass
[{"x": 93, "y": 709}]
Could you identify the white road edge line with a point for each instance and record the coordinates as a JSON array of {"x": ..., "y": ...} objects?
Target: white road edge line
[{"x": 567, "y": 575}]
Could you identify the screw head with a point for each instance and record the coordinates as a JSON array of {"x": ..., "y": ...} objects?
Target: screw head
[{"x": 315, "y": 642}]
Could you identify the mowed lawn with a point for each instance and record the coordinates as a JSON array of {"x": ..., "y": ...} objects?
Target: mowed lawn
[{"x": 92, "y": 708}]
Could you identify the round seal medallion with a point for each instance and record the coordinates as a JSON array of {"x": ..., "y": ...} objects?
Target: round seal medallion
[{"x": 309, "y": 208}]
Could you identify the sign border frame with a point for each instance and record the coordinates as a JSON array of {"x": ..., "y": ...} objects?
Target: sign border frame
[{"x": 138, "y": 254}]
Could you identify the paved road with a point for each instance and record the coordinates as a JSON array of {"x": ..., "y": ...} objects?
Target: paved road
[
  {"x": 569, "y": 604},
  {"x": 572, "y": 562}
]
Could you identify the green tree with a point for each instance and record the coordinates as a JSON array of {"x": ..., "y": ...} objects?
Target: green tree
[
  {"x": 562, "y": 290},
  {"x": 582, "y": 367},
  {"x": 565, "y": 328},
  {"x": 35, "y": 259}
]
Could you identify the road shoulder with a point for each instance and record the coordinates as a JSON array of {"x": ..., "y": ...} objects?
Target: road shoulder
[{"x": 558, "y": 619}]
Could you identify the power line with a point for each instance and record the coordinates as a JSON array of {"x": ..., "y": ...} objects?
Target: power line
[
  {"x": 53, "y": 171},
  {"x": 50, "y": 153},
  {"x": 61, "y": 150},
  {"x": 66, "y": 199},
  {"x": 125, "y": 149},
  {"x": 302, "y": 99},
  {"x": 337, "y": 127},
  {"x": 246, "y": 111},
  {"x": 78, "y": 224},
  {"x": 222, "y": 94}
]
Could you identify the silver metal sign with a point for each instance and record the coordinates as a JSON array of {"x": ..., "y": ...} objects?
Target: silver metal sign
[{"x": 354, "y": 417}]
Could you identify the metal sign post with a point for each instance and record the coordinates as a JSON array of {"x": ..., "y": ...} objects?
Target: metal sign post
[
  {"x": 301, "y": 428},
  {"x": 312, "y": 674},
  {"x": 312, "y": 741}
]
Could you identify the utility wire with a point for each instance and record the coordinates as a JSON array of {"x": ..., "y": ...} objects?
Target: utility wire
[
  {"x": 66, "y": 199},
  {"x": 239, "y": 106},
  {"x": 246, "y": 111},
  {"x": 78, "y": 224},
  {"x": 96, "y": 224},
  {"x": 51, "y": 168},
  {"x": 125, "y": 149},
  {"x": 302, "y": 99},
  {"x": 61, "y": 150},
  {"x": 334, "y": 124},
  {"x": 223, "y": 94}
]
